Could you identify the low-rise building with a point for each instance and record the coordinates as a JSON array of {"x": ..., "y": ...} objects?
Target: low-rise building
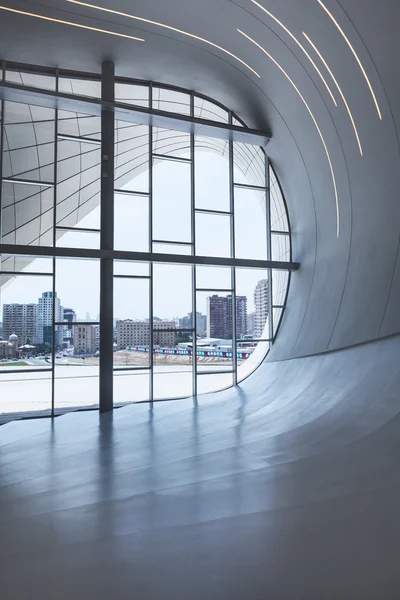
[
  {"x": 84, "y": 339},
  {"x": 137, "y": 333},
  {"x": 9, "y": 348}
]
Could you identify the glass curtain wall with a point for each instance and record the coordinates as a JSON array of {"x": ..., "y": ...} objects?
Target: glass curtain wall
[{"x": 182, "y": 325}]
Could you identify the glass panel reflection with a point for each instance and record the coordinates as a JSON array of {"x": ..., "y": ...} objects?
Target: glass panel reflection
[{"x": 131, "y": 322}]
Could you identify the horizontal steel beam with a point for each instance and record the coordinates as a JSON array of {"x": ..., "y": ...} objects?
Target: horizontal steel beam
[
  {"x": 147, "y": 256},
  {"x": 134, "y": 114}
]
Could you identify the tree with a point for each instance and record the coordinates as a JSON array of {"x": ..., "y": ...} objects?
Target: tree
[{"x": 44, "y": 348}]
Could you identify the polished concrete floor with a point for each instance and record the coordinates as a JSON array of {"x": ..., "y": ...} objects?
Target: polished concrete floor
[{"x": 285, "y": 488}]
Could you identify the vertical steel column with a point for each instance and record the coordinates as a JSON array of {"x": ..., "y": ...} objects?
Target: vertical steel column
[
  {"x": 107, "y": 239},
  {"x": 233, "y": 271},
  {"x": 1, "y": 169},
  {"x": 194, "y": 279},
  {"x": 53, "y": 304},
  {"x": 151, "y": 337},
  {"x": 269, "y": 248},
  {"x": 3, "y": 76}
]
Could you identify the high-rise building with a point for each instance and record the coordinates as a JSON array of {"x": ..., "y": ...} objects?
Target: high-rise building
[
  {"x": 261, "y": 312},
  {"x": 45, "y": 317},
  {"x": 201, "y": 323},
  {"x": 21, "y": 320},
  {"x": 219, "y": 316},
  {"x": 216, "y": 317},
  {"x": 69, "y": 315},
  {"x": 250, "y": 323},
  {"x": 84, "y": 339},
  {"x": 241, "y": 316},
  {"x": 137, "y": 333}
]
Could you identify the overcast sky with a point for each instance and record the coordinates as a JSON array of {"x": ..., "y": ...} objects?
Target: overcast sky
[{"x": 77, "y": 281}]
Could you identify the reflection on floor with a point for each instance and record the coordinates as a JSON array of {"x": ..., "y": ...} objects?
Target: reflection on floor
[{"x": 287, "y": 487}]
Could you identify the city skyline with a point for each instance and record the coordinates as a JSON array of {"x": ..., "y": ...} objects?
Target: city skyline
[{"x": 18, "y": 318}]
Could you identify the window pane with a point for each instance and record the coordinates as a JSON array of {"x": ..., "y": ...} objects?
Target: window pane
[
  {"x": 236, "y": 122},
  {"x": 250, "y": 224},
  {"x": 214, "y": 352},
  {"x": 280, "y": 282},
  {"x": 204, "y": 109},
  {"x": 280, "y": 247},
  {"x": 171, "y": 101},
  {"x": 252, "y": 284},
  {"x": 132, "y": 325},
  {"x": 186, "y": 322},
  {"x": 129, "y": 267},
  {"x": 184, "y": 250},
  {"x": 172, "y": 384},
  {"x": 78, "y": 125},
  {"x": 81, "y": 87},
  {"x": 171, "y": 143},
  {"x": 252, "y": 303},
  {"x": 29, "y": 140},
  {"x": 131, "y": 157},
  {"x": 213, "y": 235},
  {"x": 44, "y": 82},
  {"x": 278, "y": 313},
  {"x": 25, "y": 393},
  {"x": 172, "y": 291},
  {"x": 26, "y": 319},
  {"x": 76, "y": 372},
  {"x": 31, "y": 264},
  {"x": 78, "y": 184},
  {"x": 78, "y": 287},
  {"x": 217, "y": 278},
  {"x": 172, "y": 295},
  {"x": 214, "y": 383},
  {"x": 279, "y": 220},
  {"x": 249, "y": 164},
  {"x": 27, "y": 214},
  {"x": 212, "y": 173},
  {"x": 131, "y": 386},
  {"x": 77, "y": 239},
  {"x": 171, "y": 201},
  {"x": 129, "y": 93},
  {"x": 131, "y": 223}
]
